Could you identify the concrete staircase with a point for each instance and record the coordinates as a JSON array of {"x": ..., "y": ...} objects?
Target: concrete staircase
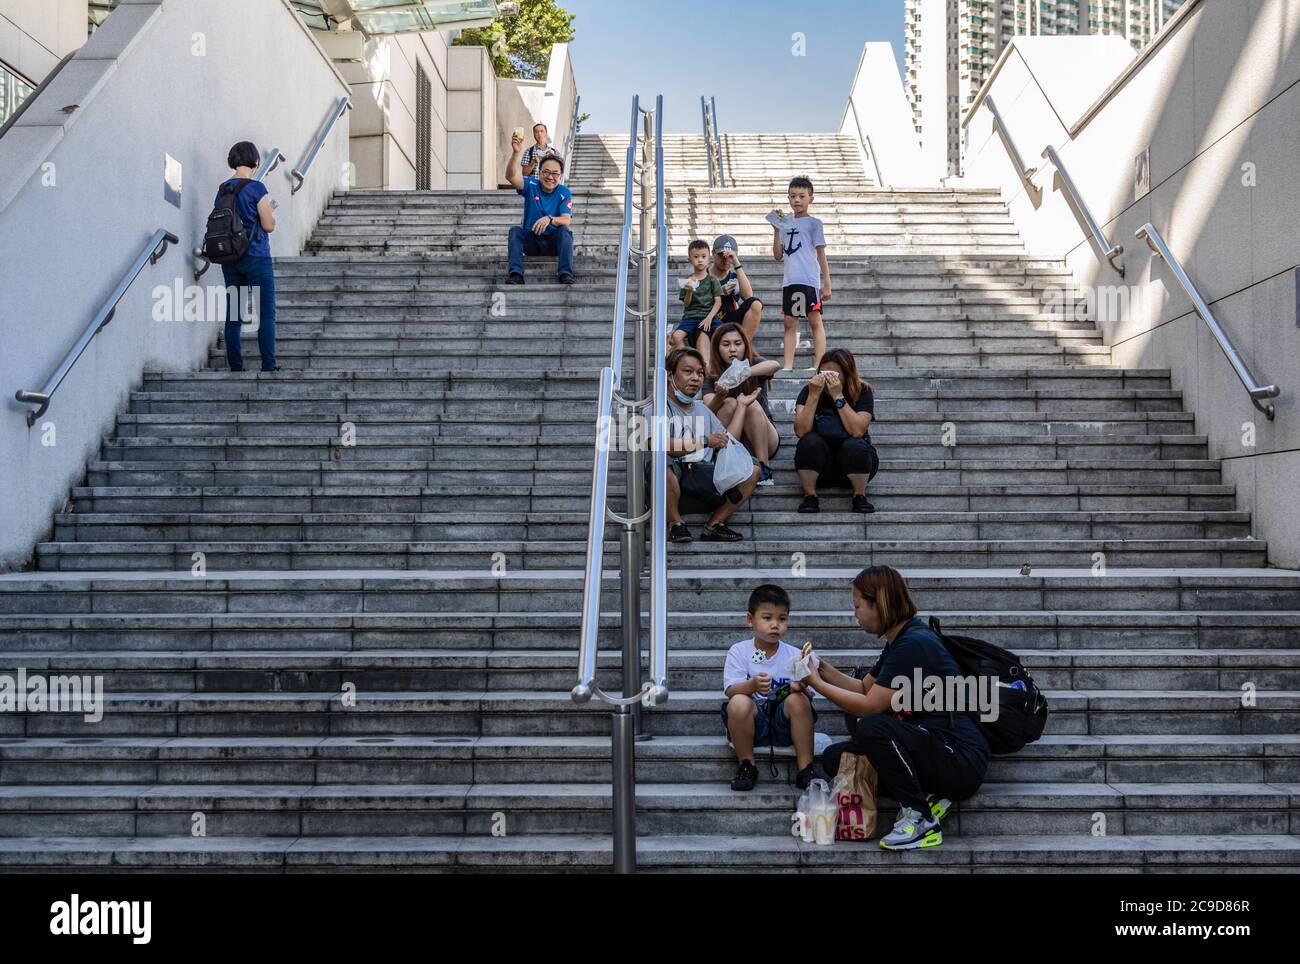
[{"x": 370, "y": 668}]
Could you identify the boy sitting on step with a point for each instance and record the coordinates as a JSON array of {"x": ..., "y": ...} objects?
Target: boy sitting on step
[{"x": 763, "y": 706}]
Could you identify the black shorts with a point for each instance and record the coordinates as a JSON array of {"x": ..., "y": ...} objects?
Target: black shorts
[
  {"x": 695, "y": 479},
  {"x": 800, "y": 301},
  {"x": 736, "y": 316}
]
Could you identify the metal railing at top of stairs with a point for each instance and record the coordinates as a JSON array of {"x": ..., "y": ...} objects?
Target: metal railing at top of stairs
[
  {"x": 152, "y": 253},
  {"x": 713, "y": 142},
  {"x": 569, "y": 141},
  {"x": 865, "y": 140},
  {"x": 269, "y": 164},
  {"x": 1108, "y": 251},
  {"x": 1256, "y": 391},
  {"x": 611, "y": 405}
]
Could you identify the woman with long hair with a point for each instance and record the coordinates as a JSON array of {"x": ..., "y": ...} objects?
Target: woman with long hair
[
  {"x": 831, "y": 417},
  {"x": 760, "y": 436},
  {"x": 925, "y": 758}
]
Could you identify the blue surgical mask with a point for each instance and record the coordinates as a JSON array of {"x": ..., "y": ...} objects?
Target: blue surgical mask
[{"x": 682, "y": 396}]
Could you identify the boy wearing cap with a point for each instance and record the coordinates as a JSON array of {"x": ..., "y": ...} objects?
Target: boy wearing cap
[{"x": 739, "y": 306}]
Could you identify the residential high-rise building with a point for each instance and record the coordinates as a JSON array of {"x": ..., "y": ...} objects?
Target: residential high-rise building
[{"x": 950, "y": 47}]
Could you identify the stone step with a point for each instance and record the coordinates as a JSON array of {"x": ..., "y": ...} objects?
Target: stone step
[
  {"x": 542, "y": 713},
  {"x": 399, "y": 670},
  {"x": 919, "y": 473},
  {"x": 544, "y": 527},
  {"x": 669, "y": 853},
  {"x": 534, "y": 554},
  {"x": 402, "y": 759},
  {"x": 57, "y": 636},
  {"x": 1121, "y": 592},
  {"x": 305, "y": 810},
  {"x": 536, "y": 498}
]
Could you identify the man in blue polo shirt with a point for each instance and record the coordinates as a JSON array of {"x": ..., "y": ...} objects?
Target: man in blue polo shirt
[{"x": 548, "y": 210}]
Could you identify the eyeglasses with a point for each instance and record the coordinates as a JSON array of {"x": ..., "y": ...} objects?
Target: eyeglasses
[{"x": 550, "y": 173}]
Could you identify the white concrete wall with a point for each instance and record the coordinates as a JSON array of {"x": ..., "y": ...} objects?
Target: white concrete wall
[
  {"x": 36, "y": 34},
  {"x": 877, "y": 108},
  {"x": 471, "y": 119},
  {"x": 523, "y": 103},
  {"x": 1218, "y": 105},
  {"x": 384, "y": 90},
  {"x": 84, "y": 192}
]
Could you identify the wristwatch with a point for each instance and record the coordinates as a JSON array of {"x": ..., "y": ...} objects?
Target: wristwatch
[{"x": 839, "y": 402}]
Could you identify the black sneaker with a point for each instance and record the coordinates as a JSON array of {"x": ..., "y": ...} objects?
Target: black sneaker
[
  {"x": 721, "y": 533},
  {"x": 679, "y": 533},
  {"x": 860, "y": 504},
  {"x": 565, "y": 279},
  {"x": 514, "y": 278},
  {"x": 746, "y": 776},
  {"x": 804, "y": 777},
  {"x": 810, "y": 503}
]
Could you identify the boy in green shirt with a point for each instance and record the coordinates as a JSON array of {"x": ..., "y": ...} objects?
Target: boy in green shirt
[{"x": 701, "y": 293}]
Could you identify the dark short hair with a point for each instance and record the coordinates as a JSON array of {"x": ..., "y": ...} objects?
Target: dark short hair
[
  {"x": 244, "y": 154},
  {"x": 769, "y": 592},
  {"x": 539, "y": 124},
  {"x": 551, "y": 157},
  {"x": 801, "y": 181},
  {"x": 696, "y": 245},
  {"x": 676, "y": 356}
]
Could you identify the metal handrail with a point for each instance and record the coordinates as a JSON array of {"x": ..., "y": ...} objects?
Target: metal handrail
[
  {"x": 1000, "y": 126},
  {"x": 269, "y": 164},
  {"x": 573, "y": 136},
  {"x": 712, "y": 142},
  {"x": 157, "y": 247},
  {"x": 865, "y": 140},
  {"x": 300, "y": 172},
  {"x": 1255, "y": 390},
  {"x": 625, "y": 716},
  {"x": 1109, "y": 251}
]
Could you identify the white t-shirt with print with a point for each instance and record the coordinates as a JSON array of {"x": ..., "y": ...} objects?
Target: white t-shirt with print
[
  {"x": 745, "y": 661},
  {"x": 799, "y": 239}
]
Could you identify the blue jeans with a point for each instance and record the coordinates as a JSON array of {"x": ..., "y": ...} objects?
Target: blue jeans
[
  {"x": 251, "y": 272},
  {"x": 558, "y": 242}
]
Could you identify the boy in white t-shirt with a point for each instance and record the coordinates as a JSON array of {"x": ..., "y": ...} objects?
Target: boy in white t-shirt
[
  {"x": 763, "y": 705},
  {"x": 800, "y": 241}
]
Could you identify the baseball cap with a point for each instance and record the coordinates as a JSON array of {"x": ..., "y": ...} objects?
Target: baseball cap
[{"x": 725, "y": 242}]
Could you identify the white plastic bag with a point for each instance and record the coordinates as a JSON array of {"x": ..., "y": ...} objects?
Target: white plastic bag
[
  {"x": 735, "y": 375},
  {"x": 731, "y": 466},
  {"x": 822, "y": 810}
]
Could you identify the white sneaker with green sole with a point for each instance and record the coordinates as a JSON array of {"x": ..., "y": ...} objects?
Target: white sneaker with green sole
[{"x": 912, "y": 833}]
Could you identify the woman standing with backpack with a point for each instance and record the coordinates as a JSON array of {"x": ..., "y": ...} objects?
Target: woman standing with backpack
[
  {"x": 254, "y": 269},
  {"x": 925, "y": 760}
]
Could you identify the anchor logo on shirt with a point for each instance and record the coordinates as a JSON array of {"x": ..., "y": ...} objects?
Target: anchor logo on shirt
[{"x": 794, "y": 233}]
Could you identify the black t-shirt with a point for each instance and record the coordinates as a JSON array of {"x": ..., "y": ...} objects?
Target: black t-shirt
[
  {"x": 917, "y": 647},
  {"x": 763, "y": 383},
  {"x": 826, "y": 406}
]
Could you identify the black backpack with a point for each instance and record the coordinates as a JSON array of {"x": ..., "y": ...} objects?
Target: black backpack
[
  {"x": 1022, "y": 714},
  {"x": 226, "y": 240}
]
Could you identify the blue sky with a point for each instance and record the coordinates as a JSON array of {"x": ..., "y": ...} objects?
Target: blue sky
[{"x": 739, "y": 52}]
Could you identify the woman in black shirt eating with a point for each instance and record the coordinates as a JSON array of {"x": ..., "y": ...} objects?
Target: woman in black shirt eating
[{"x": 832, "y": 415}]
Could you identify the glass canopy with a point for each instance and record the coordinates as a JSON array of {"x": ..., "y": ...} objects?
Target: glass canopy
[{"x": 406, "y": 16}]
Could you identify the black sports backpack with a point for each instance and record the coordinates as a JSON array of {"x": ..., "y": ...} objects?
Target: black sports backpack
[
  {"x": 1022, "y": 714},
  {"x": 226, "y": 240}
]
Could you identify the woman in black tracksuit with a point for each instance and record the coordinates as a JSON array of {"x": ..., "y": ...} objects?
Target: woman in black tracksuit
[{"x": 924, "y": 760}]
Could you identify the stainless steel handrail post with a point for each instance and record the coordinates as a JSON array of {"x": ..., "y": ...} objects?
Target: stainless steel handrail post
[
  {"x": 151, "y": 254},
  {"x": 1109, "y": 251},
  {"x": 657, "y": 693},
  {"x": 717, "y": 139},
  {"x": 708, "y": 140},
  {"x": 299, "y": 173},
  {"x": 1253, "y": 388},
  {"x": 573, "y": 136}
]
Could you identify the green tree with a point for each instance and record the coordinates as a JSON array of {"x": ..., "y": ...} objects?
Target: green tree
[{"x": 520, "y": 46}]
